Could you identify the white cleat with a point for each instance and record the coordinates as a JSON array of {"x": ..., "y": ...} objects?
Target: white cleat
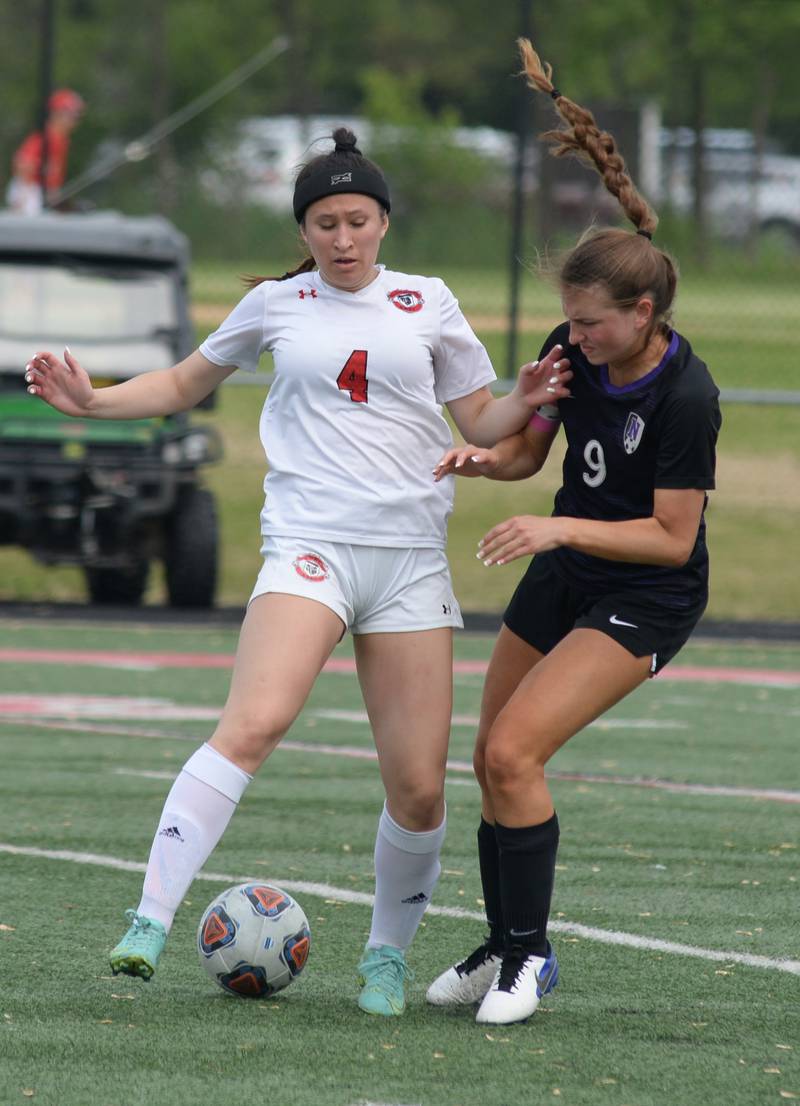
[
  {"x": 519, "y": 983},
  {"x": 466, "y": 982}
]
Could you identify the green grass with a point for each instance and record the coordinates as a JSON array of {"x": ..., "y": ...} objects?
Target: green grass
[
  {"x": 626, "y": 1026},
  {"x": 743, "y": 324}
]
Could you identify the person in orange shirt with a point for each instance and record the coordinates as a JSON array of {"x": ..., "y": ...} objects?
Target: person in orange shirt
[{"x": 25, "y": 195}]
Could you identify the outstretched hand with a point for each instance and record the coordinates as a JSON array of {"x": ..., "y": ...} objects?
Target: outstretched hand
[
  {"x": 466, "y": 460},
  {"x": 521, "y": 536},
  {"x": 65, "y": 385},
  {"x": 544, "y": 381}
]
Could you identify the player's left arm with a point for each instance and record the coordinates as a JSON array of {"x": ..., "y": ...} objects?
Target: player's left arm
[
  {"x": 484, "y": 420},
  {"x": 666, "y": 538}
]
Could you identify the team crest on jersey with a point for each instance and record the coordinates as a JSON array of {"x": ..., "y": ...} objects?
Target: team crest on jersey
[
  {"x": 407, "y": 299},
  {"x": 311, "y": 567},
  {"x": 632, "y": 435}
]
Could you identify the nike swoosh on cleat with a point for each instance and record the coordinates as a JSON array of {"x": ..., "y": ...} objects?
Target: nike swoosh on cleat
[
  {"x": 544, "y": 978},
  {"x": 618, "y": 622}
]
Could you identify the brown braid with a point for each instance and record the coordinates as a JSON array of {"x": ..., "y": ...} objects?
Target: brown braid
[
  {"x": 585, "y": 140},
  {"x": 628, "y": 266}
]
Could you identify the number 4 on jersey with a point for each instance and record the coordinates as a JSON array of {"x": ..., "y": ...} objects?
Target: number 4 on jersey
[{"x": 353, "y": 377}]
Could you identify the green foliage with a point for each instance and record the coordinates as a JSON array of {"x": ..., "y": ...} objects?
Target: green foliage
[
  {"x": 424, "y": 63},
  {"x": 438, "y": 186}
]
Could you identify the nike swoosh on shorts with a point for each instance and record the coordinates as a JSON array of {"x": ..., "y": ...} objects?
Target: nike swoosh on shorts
[{"x": 618, "y": 622}]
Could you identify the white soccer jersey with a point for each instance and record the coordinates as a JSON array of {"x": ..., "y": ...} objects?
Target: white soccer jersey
[{"x": 353, "y": 424}]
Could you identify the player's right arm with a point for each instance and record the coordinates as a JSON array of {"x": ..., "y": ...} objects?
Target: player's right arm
[
  {"x": 28, "y": 159},
  {"x": 66, "y": 386},
  {"x": 514, "y": 458}
]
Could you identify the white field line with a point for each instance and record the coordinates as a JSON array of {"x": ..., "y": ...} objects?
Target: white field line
[
  {"x": 361, "y": 898},
  {"x": 357, "y": 752}
]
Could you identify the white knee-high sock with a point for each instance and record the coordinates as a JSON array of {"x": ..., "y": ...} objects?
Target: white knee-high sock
[
  {"x": 406, "y": 871},
  {"x": 198, "y": 808}
]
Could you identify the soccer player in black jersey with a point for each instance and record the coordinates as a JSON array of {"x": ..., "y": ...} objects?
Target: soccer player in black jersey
[{"x": 619, "y": 576}]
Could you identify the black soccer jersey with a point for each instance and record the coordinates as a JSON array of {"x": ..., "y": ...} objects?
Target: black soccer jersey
[{"x": 622, "y": 444}]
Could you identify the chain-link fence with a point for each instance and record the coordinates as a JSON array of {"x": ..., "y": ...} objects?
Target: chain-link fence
[{"x": 469, "y": 205}]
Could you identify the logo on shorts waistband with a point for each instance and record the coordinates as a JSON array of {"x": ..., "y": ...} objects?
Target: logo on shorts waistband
[{"x": 311, "y": 567}]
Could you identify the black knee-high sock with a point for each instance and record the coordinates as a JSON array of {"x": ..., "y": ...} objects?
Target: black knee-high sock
[
  {"x": 489, "y": 861},
  {"x": 527, "y": 859}
]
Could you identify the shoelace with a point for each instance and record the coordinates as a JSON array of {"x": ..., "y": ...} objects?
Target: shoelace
[
  {"x": 139, "y": 925},
  {"x": 513, "y": 963},
  {"x": 388, "y": 966},
  {"x": 477, "y": 958}
]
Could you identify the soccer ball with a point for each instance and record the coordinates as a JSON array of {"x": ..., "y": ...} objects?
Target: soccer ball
[{"x": 253, "y": 940}]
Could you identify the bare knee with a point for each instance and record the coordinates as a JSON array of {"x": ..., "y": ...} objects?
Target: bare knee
[
  {"x": 510, "y": 765},
  {"x": 248, "y": 739},
  {"x": 417, "y": 805},
  {"x": 479, "y": 763}
]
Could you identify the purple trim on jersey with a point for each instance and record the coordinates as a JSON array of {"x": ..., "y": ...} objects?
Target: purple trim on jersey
[{"x": 613, "y": 390}]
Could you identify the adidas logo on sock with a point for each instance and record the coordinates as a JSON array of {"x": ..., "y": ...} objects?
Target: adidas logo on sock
[
  {"x": 419, "y": 897},
  {"x": 171, "y": 831}
]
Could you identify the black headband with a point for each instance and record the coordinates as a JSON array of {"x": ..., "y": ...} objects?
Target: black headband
[{"x": 332, "y": 181}]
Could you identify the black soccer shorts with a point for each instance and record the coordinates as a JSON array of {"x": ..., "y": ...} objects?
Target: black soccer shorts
[{"x": 544, "y": 608}]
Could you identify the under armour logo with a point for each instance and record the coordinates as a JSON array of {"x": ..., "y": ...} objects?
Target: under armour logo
[
  {"x": 307, "y": 292},
  {"x": 446, "y": 609}
]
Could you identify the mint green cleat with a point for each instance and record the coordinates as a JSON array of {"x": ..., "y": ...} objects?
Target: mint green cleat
[
  {"x": 139, "y": 950},
  {"x": 382, "y": 973}
]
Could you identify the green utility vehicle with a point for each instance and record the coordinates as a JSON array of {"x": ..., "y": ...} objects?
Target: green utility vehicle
[{"x": 109, "y": 496}]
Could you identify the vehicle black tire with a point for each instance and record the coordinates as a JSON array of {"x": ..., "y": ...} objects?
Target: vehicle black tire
[
  {"x": 190, "y": 554},
  {"x": 122, "y": 586}
]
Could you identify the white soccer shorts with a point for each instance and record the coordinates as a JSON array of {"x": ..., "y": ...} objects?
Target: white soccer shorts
[{"x": 373, "y": 589}]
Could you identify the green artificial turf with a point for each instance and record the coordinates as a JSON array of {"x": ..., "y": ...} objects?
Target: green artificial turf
[{"x": 713, "y": 874}]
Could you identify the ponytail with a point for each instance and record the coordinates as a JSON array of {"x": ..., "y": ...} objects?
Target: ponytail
[
  {"x": 307, "y": 265},
  {"x": 583, "y": 139},
  {"x": 627, "y": 265}
]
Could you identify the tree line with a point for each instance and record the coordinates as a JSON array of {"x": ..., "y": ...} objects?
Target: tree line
[{"x": 705, "y": 62}]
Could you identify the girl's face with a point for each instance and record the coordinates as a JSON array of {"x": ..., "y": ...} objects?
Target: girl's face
[
  {"x": 344, "y": 234},
  {"x": 606, "y": 334}
]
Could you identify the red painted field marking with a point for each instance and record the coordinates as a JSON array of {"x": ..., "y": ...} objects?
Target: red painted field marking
[{"x": 760, "y": 677}]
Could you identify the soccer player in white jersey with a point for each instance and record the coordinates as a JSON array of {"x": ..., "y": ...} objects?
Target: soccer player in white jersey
[
  {"x": 353, "y": 529},
  {"x": 619, "y": 576}
]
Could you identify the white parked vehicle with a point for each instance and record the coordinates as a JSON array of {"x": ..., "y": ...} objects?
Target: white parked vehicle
[
  {"x": 745, "y": 191},
  {"x": 258, "y": 162}
]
